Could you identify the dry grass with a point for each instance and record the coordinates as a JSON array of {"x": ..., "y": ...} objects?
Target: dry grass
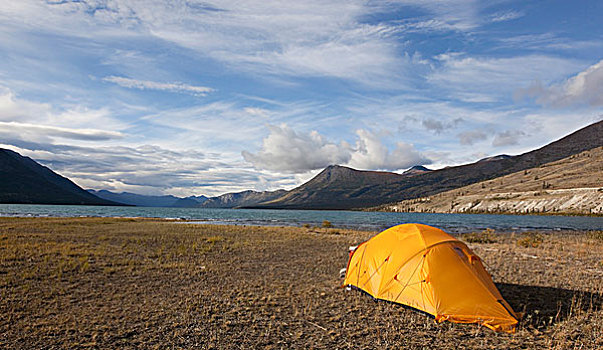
[
  {"x": 485, "y": 236},
  {"x": 530, "y": 239},
  {"x": 118, "y": 283}
]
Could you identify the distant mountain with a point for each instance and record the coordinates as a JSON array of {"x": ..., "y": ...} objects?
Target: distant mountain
[
  {"x": 416, "y": 170},
  {"x": 572, "y": 185},
  {"x": 241, "y": 199},
  {"x": 498, "y": 157},
  {"x": 186, "y": 203},
  {"x": 198, "y": 199},
  {"x": 150, "y": 201},
  {"x": 339, "y": 187},
  {"x": 24, "y": 181}
]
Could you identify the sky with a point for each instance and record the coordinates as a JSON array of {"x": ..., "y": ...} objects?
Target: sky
[{"x": 188, "y": 97}]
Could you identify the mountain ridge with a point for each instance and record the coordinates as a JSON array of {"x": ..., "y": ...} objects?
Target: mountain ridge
[
  {"x": 241, "y": 199},
  {"x": 572, "y": 185},
  {"x": 141, "y": 200},
  {"x": 24, "y": 181},
  {"x": 335, "y": 187},
  {"x": 371, "y": 188}
]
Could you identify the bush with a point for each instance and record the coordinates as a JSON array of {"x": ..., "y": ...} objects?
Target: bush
[
  {"x": 531, "y": 240},
  {"x": 327, "y": 224},
  {"x": 486, "y": 236}
]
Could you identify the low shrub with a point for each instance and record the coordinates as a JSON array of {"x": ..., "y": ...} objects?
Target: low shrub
[
  {"x": 327, "y": 224},
  {"x": 530, "y": 240},
  {"x": 486, "y": 236}
]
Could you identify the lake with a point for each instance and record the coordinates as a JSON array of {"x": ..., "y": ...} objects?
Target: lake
[{"x": 343, "y": 219}]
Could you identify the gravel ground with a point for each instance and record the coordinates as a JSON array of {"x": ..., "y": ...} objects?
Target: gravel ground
[{"x": 136, "y": 283}]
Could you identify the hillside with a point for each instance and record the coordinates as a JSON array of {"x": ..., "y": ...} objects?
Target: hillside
[
  {"x": 338, "y": 187},
  {"x": 573, "y": 185},
  {"x": 343, "y": 188},
  {"x": 23, "y": 181},
  {"x": 241, "y": 199}
]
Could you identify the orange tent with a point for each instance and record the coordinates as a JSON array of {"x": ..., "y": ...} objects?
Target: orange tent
[{"x": 425, "y": 268}]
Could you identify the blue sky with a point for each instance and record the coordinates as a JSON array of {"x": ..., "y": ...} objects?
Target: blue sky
[{"x": 191, "y": 97}]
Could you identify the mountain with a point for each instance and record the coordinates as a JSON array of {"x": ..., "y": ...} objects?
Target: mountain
[
  {"x": 573, "y": 185},
  {"x": 416, "y": 170},
  {"x": 136, "y": 199},
  {"x": 186, "y": 203},
  {"x": 23, "y": 181},
  {"x": 498, "y": 157},
  {"x": 241, "y": 199},
  {"x": 339, "y": 187},
  {"x": 150, "y": 201},
  {"x": 198, "y": 199}
]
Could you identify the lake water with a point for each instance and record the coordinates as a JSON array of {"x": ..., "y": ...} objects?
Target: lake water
[{"x": 344, "y": 219}]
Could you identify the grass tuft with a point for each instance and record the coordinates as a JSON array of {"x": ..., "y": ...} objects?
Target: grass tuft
[
  {"x": 530, "y": 240},
  {"x": 486, "y": 236}
]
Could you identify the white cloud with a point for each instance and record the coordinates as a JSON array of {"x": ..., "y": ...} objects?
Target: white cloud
[
  {"x": 285, "y": 150},
  {"x": 547, "y": 42},
  {"x": 69, "y": 116},
  {"x": 313, "y": 38},
  {"x": 585, "y": 88},
  {"x": 218, "y": 125},
  {"x": 230, "y": 126},
  {"x": 13, "y": 108},
  {"x": 361, "y": 60},
  {"x": 217, "y": 44},
  {"x": 148, "y": 169},
  {"x": 371, "y": 153},
  {"x": 458, "y": 15},
  {"x": 317, "y": 38},
  {"x": 506, "y": 16},
  {"x": 495, "y": 79},
  {"x": 32, "y": 131},
  {"x": 152, "y": 85},
  {"x": 258, "y": 112}
]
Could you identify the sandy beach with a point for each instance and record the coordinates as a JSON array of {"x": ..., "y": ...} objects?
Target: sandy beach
[{"x": 106, "y": 283}]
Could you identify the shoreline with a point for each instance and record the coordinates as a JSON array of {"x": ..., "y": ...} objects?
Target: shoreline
[
  {"x": 362, "y": 220},
  {"x": 319, "y": 225},
  {"x": 596, "y": 215}
]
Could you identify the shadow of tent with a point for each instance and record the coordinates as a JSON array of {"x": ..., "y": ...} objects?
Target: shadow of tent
[{"x": 544, "y": 306}]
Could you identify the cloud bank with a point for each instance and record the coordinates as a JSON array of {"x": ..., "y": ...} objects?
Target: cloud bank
[
  {"x": 584, "y": 88},
  {"x": 152, "y": 85},
  {"x": 38, "y": 131},
  {"x": 287, "y": 151}
]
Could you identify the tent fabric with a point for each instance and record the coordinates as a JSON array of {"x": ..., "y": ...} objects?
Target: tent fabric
[{"x": 427, "y": 269}]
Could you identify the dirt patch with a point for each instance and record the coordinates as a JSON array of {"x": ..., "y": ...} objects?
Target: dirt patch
[{"x": 113, "y": 283}]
